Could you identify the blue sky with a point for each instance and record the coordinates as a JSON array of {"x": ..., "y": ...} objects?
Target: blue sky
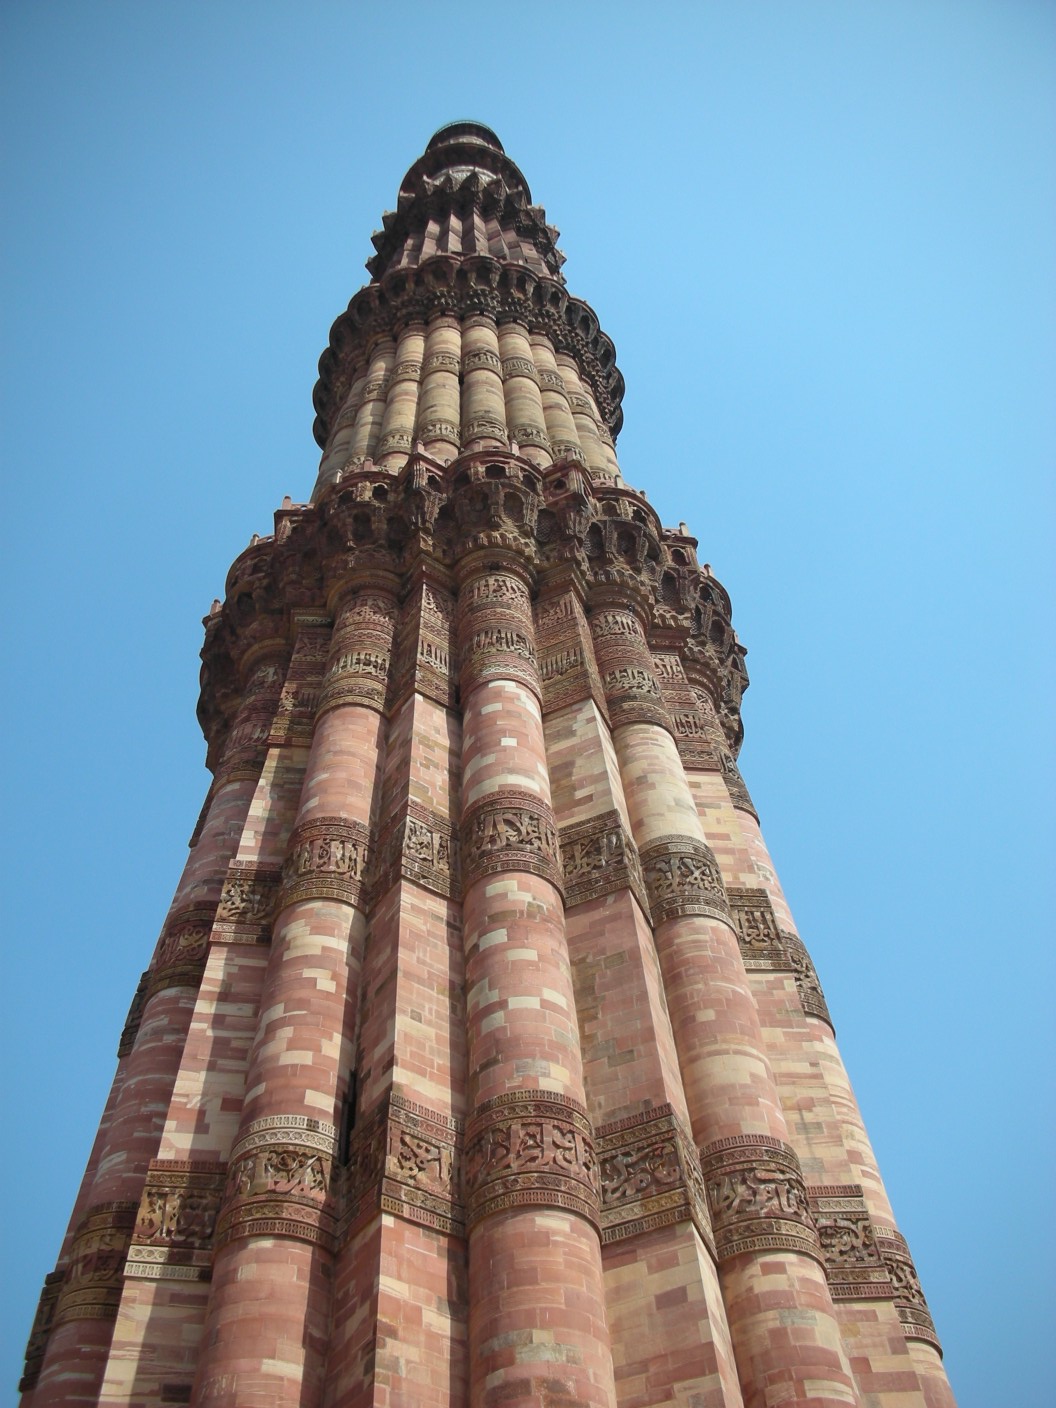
[{"x": 822, "y": 236}]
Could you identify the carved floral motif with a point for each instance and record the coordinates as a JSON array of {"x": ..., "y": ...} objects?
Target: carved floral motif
[{"x": 650, "y": 1176}]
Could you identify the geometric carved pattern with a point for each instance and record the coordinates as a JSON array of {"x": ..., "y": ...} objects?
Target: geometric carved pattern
[
  {"x": 328, "y": 859},
  {"x": 912, "y": 1308},
  {"x": 531, "y": 1148},
  {"x": 853, "y": 1265},
  {"x": 566, "y": 659},
  {"x": 682, "y": 877},
  {"x": 92, "y": 1288},
  {"x": 510, "y": 829},
  {"x": 278, "y": 1181},
  {"x": 599, "y": 858},
  {"x": 174, "y": 1228},
  {"x": 650, "y": 1177},
  {"x": 756, "y": 1197},
  {"x": 405, "y": 1160}
]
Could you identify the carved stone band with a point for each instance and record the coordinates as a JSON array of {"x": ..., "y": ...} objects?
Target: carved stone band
[
  {"x": 92, "y": 1288},
  {"x": 853, "y": 1265},
  {"x": 531, "y": 1149},
  {"x": 173, "y": 1237},
  {"x": 405, "y": 1160},
  {"x": 247, "y": 904},
  {"x": 356, "y": 676},
  {"x": 633, "y": 697},
  {"x": 765, "y": 947},
  {"x": 279, "y": 1182},
  {"x": 179, "y": 959},
  {"x": 599, "y": 858},
  {"x": 757, "y": 1198},
  {"x": 913, "y": 1311},
  {"x": 650, "y": 1177},
  {"x": 328, "y": 859},
  {"x": 682, "y": 877},
  {"x": 508, "y": 831},
  {"x": 420, "y": 845},
  {"x": 43, "y": 1320}
]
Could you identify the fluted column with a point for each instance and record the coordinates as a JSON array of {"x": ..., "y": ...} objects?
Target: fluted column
[
  {"x": 670, "y": 1339},
  {"x": 371, "y": 410},
  {"x": 531, "y": 1176},
  {"x": 439, "y": 401},
  {"x": 75, "y": 1358},
  {"x": 483, "y": 404},
  {"x": 268, "y": 1318},
  {"x": 768, "y": 1248},
  {"x": 397, "y": 427},
  {"x": 560, "y": 425},
  {"x": 525, "y": 416},
  {"x": 584, "y": 416},
  {"x": 339, "y": 445}
]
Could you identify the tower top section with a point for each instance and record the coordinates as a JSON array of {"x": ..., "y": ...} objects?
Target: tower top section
[{"x": 466, "y": 239}]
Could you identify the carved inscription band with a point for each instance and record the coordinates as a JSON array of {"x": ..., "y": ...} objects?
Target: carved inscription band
[
  {"x": 279, "y": 1181},
  {"x": 328, "y": 859},
  {"x": 173, "y": 1236},
  {"x": 757, "y": 1198},
  {"x": 682, "y": 877},
  {"x": 405, "y": 1160},
  {"x": 766, "y": 947},
  {"x": 650, "y": 1177},
  {"x": 599, "y": 858},
  {"x": 92, "y": 1288},
  {"x": 531, "y": 1149},
  {"x": 510, "y": 830}
]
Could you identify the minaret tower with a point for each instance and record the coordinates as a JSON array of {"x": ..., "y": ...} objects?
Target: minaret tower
[{"x": 479, "y": 1063}]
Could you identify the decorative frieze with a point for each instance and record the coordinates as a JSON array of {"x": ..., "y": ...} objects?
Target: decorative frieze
[
  {"x": 328, "y": 859},
  {"x": 278, "y": 1181},
  {"x": 420, "y": 845},
  {"x": 136, "y": 1008},
  {"x": 179, "y": 958},
  {"x": 735, "y": 784},
  {"x": 598, "y": 857},
  {"x": 912, "y": 1308},
  {"x": 405, "y": 1160},
  {"x": 650, "y": 1177},
  {"x": 357, "y": 670},
  {"x": 567, "y": 669},
  {"x": 43, "y": 1321},
  {"x": 853, "y": 1265},
  {"x": 757, "y": 1198},
  {"x": 531, "y": 1149},
  {"x": 173, "y": 1236},
  {"x": 811, "y": 997},
  {"x": 92, "y": 1286},
  {"x": 512, "y": 829},
  {"x": 757, "y": 932},
  {"x": 496, "y": 635},
  {"x": 247, "y": 904},
  {"x": 682, "y": 877}
]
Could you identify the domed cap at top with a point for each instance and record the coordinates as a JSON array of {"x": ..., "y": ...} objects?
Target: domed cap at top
[{"x": 460, "y": 148}]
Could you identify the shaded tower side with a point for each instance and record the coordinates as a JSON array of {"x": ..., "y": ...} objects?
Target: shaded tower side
[{"x": 479, "y": 1060}]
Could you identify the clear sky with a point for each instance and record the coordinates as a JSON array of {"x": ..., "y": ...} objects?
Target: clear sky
[{"x": 822, "y": 238}]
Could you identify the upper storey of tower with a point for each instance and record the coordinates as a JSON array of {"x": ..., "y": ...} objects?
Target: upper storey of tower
[
  {"x": 465, "y": 242},
  {"x": 465, "y": 196}
]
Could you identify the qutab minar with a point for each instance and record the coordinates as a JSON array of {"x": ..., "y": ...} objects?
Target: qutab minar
[{"x": 479, "y": 1060}]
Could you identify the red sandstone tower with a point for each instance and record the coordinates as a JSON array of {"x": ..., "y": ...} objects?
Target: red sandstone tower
[{"x": 479, "y": 1061}]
